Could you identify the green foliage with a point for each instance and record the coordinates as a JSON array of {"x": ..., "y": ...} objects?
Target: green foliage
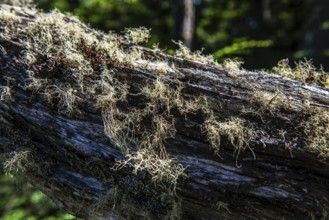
[
  {"x": 116, "y": 15},
  {"x": 20, "y": 200},
  {"x": 259, "y": 32},
  {"x": 241, "y": 47}
]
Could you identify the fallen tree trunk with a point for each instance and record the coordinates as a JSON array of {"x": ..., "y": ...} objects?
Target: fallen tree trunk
[{"x": 109, "y": 129}]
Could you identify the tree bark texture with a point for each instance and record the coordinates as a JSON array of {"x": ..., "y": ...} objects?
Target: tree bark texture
[{"x": 265, "y": 168}]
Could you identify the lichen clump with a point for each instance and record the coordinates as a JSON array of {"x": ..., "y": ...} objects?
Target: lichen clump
[
  {"x": 316, "y": 124},
  {"x": 304, "y": 71},
  {"x": 137, "y": 35},
  {"x": 69, "y": 63},
  {"x": 5, "y": 93},
  {"x": 316, "y": 129},
  {"x": 197, "y": 56},
  {"x": 237, "y": 132},
  {"x": 270, "y": 101},
  {"x": 18, "y": 162}
]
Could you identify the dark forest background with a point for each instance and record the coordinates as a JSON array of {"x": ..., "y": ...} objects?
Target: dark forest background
[{"x": 258, "y": 32}]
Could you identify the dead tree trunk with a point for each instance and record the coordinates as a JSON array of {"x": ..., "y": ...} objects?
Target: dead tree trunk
[{"x": 112, "y": 130}]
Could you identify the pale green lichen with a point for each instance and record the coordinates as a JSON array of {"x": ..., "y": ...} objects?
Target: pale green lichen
[
  {"x": 18, "y": 162},
  {"x": 23, "y": 3},
  {"x": 196, "y": 56},
  {"x": 222, "y": 206},
  {"x": 233, "y": 67},
  {"x": 236, "y": 130},
  {"x": 316, "y": 129},
  {"x": 232, "y": 64},
  {"x": 271, "y": 101},
  {"x": 303, "y": 71},
  {"x": 5, "y": 93},
  {"x": 160, "y": 169},
  {"x": 66, "y": 63},
  {"x": 137, "y": 35}
]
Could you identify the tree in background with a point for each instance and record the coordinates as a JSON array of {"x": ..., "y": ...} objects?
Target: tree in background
[
  {"x": 258, "y": 32},
  {"x": 184, "y": 21},
  {"x": 107, "y": 127},
  {"x": 314, "y": 42}
]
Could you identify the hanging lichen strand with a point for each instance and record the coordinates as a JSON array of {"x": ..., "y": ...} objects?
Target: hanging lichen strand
[
  {"x": 65, "y": 63},
  {"x": 68, "y": 63}
]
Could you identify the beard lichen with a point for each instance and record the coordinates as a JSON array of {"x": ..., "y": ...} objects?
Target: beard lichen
[
  {"x": 237, "y": 131},
  {"x": 271, "y": 101},
  {"x": 5, "y": 94},
  {"x": 196, "y": 56},
  {"x": 315, "y": 124},
  {"x": 137, "y": 35},
  {"x": 68, "y": 62},
  {"x": 161, "y": 170},
  {"x": 303, "y": 71},
  {"x": 316, "y": 129},
  {"x": 17, "y": 162}
]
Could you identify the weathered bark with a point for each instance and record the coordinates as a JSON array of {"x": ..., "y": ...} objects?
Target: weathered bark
[{"x": 71, "y": 159}]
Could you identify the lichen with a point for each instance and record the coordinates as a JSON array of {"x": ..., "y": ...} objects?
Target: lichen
[
  {"x": 23, "y": 3},
  {"x": 67, "y": 62},
  {"x": 303, "y": 71},
  {"x": 316, "y": 129},
  {"x": 18, "y": 162},
  {"x": 236, "y": 130},
  {"x": 161, "y": 170},
  {"x": 197, "y": 56},
  {"x": 5, "y": 93},
  {"x": 232, "y": 64},
  {"x": 270, "y": 101},
  {"x": 137, "y": 35},
  {"x": 222, "y": 206}
]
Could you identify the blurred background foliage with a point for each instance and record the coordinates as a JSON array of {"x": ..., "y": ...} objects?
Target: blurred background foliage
[
  {"x": 259, "y": 33},
  {"x": 19, "y": 200}
]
